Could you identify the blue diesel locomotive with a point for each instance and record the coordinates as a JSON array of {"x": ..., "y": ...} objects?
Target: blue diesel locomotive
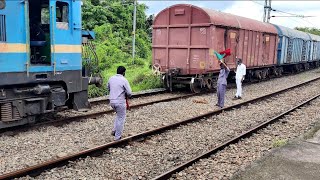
[{"x": 41, "y": 59}]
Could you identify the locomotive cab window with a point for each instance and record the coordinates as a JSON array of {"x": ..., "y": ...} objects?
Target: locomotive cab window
[
  {"x": 62, "y": 15},
  {"x": 39, "y": 27},
  {"x": 2, "y": 4}
]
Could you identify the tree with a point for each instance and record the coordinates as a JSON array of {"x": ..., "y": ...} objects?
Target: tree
[
  {"x": 314, "y": 31},
  {"x": 112, "y": 21}
]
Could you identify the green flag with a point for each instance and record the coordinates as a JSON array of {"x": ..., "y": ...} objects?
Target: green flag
[{"x": 219, "y": 56}]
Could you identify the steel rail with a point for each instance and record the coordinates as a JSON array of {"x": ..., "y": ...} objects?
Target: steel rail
[
  {"x": 39, "y": 168},
  {"x": 234, "y": 140},
  {"x": 64, "y": 121},
  {"x": 134, "y": 95}
]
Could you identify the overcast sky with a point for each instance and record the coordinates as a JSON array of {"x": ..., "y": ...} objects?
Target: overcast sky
[{"x": 254, "y": 10}]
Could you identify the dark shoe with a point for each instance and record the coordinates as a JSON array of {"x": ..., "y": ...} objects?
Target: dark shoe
[
  {"x": 113, "y": 133},
  {"x": 217, "y": 105},
  {"x": 235, "y": 97},
  {"x": 239, "y": 97}
]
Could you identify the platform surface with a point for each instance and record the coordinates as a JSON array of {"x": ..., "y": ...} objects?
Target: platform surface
[{"x": 295, "y": 161}]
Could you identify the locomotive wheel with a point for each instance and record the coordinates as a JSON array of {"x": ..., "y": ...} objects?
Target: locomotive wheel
[{"x": 195, "y": 85}]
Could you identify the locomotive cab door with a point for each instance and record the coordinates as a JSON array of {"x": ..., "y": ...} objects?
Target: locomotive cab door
[
  {"x": 39, "y": 33},
  {"x": 65, "y": 17}
]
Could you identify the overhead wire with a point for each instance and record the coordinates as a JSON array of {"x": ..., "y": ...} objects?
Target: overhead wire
[
  {"x": 302, "y": 17},
  {"x": 259, "y": 4},
  {"x": 294, "y": 20}
]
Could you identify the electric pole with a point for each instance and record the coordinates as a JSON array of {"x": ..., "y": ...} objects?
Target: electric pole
[
  {"x": 134, "y": 30},
  {"x": 267, "y": 9}
]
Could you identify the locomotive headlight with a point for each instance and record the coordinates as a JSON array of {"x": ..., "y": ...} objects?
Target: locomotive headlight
[{"x": 2, "y": 4}]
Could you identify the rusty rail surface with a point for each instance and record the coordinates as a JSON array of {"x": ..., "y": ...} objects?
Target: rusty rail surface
[
  {"x": 37, "y": 169},
  {"x": 234, "y": 140},
  {"x": 134, "y": 95},
  {"x": 67, "y": 120}
]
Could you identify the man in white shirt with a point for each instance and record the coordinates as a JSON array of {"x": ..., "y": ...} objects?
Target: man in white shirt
[{"x": 240, "y": 74}]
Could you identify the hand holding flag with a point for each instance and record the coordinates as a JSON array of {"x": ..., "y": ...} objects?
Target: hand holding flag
[{"x": 222, "y": 55}]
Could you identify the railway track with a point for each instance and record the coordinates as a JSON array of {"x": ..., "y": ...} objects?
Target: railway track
[
  {"x": 63, "y": 121},
  {"x": 34, "y": 170},
  {"x": 99, "y": 100},
  {"x": 234, "y": 140},
  {"x": 104, "y": 100}
]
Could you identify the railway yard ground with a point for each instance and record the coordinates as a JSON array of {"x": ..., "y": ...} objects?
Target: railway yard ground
[
  {"x": 299, "y": 159},
  {"x": 162, "y": 152}
]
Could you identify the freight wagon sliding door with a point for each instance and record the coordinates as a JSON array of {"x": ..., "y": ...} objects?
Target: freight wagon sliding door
[
  {"x": 178, "y": 48},
  {"x": 232, "y": 43},
  {"x": 188, "y": 49},
  {"x": 266, "y": 49},
  {"x": 199, "y": 50}
]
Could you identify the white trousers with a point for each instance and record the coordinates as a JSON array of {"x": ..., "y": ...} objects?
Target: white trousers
[{"x": 239, "y": 87}]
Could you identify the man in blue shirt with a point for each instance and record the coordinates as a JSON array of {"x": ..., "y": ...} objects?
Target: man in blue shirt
[
  {"x": 222, "y": 83},
  {"x": 119, "y": 90}
]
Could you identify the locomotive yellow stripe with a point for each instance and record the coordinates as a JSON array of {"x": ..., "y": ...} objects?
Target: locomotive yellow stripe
[
  {"x": 22, "y": 48},
  {"x": 13, "y": 48},
  {"x": 66, "y": 48}
]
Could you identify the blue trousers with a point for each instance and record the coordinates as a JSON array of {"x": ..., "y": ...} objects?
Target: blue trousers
[
  {"x": 221, "y": 92},
  {"x": 120, "y": 109}
]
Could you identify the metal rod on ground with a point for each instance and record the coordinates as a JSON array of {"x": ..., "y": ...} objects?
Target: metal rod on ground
[{"x": 134, "y": 30}]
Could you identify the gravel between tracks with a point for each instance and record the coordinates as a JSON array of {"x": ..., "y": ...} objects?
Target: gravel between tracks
[
  {"x": 105, "y": 107},
  {"x": 235, "y": 158},
  {"x": 33, "y": 147},
  {"x": 162, "y": 152}
]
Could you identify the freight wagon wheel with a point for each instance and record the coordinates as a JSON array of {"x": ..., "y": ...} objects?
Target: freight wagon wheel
[
  {"x": 210, "y": 84},
  {"x": 276, "y": 72},
  {"x": 280, "y": 71},
  {"x": 264, "y": 74},
  {"x": 195, "y": 85},
  {"x": 165, "y": 82}
]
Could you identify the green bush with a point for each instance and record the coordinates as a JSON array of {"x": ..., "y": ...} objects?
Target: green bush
[
  {"x": 112, "y": 23},
  {"x": 279, "y": 143},
  {"x": 96, "y": 92}
]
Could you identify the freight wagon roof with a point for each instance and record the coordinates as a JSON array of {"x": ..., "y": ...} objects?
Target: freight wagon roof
[
  {"x": 217, "y": 18},
  {"x": 292, "y": 33},
  {"x": 314, "y": 37}
]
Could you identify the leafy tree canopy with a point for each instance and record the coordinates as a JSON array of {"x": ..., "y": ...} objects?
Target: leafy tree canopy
[
  {"x": 309, "y": 30},
  {"x": 112, "y": 21}
]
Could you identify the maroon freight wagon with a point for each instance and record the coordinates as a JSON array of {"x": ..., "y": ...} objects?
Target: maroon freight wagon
[{"x": 185, "y": 36}]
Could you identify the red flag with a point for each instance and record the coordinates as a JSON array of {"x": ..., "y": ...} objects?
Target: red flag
[
  {"x": 226, "y": 53},
  {"x": 127, "y": 103}
]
